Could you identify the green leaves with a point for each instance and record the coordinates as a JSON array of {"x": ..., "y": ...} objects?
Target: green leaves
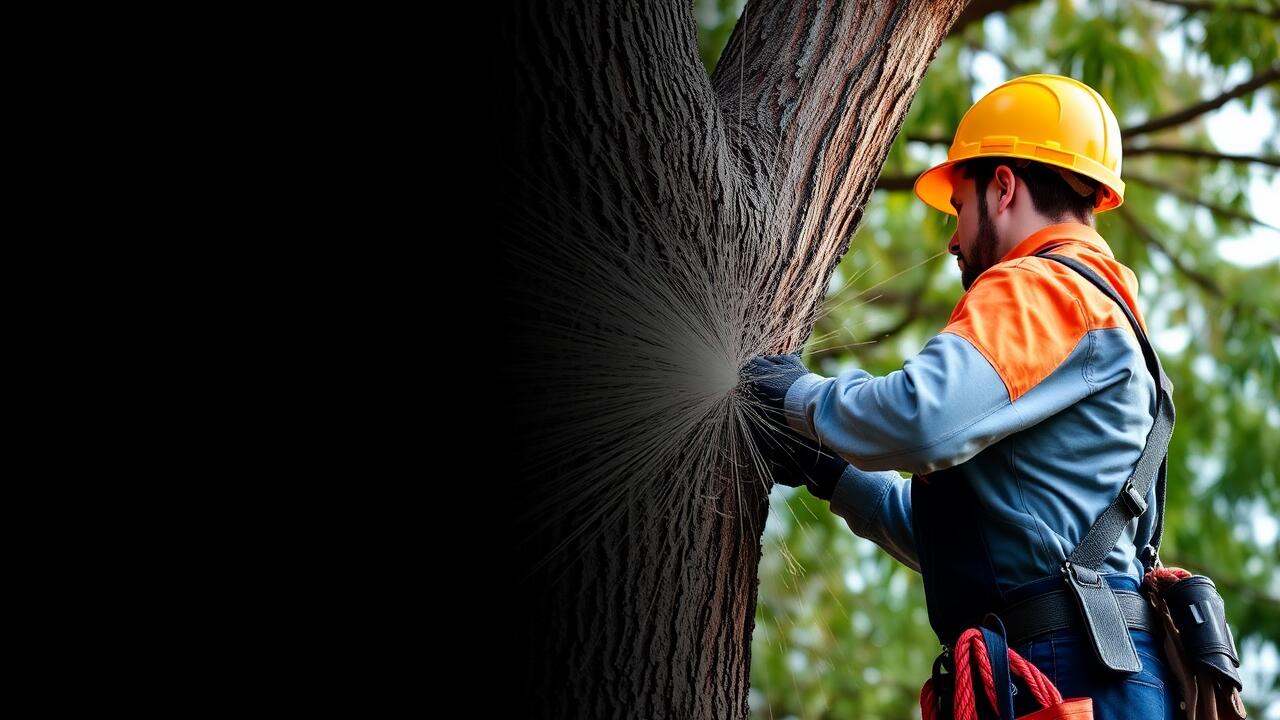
[
  {"x": 1114, "y": 58},
  {"x": 833, "y": 636}
]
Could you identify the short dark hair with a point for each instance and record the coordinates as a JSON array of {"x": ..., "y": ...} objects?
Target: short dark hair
[{"x": 1051, "y": 194}]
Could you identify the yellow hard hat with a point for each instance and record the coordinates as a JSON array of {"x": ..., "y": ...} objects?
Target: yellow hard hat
[{"x": 1050, "y": 119}]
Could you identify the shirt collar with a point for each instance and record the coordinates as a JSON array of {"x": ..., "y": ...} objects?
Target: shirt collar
[{"x": 1056, "y": 235}]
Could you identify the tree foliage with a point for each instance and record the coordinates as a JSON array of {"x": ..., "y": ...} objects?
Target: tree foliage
[{"x": 841, "y": 628}]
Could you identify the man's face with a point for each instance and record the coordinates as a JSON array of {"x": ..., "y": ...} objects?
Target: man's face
[{"x": 974, "y": 242}]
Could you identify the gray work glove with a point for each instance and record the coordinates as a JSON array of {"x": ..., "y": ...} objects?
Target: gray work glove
[
  {"x": 768, "y": 377},
  {"x": 793, "y": 459}
]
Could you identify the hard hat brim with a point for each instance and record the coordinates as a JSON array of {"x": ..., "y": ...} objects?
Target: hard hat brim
[{"x": 935, "y": 186}]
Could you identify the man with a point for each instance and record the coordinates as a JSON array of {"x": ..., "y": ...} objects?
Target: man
[{"x": 1022, "y": 421}]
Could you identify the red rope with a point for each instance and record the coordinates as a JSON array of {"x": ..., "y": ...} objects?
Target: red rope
[
  {"x": 969, "y": 642},
  {"x": 928, "y": 701},
  {"x": 1157, "y": 580},
  {"x": 972, "y": 650},
  {"x": 1042, "y": 690}
]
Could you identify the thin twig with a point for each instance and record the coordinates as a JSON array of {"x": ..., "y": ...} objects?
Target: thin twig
[
  {"x": 1201, "y": 5},
  {"x": 1200, "y": 154},
  {"x": 1150, "y": 238},
  {"x": 1190, "y": 113},
  {"x": 1004, "y": 59},
  {"x": 1185, "y": 196}
]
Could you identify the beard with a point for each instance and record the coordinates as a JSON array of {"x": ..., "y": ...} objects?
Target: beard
[{"x": 984, "y": 248}]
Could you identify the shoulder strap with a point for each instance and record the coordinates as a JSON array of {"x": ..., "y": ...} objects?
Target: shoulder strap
[{"x": 1097, "y": 544}]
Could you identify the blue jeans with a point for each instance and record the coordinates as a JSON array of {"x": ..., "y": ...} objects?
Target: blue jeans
[{"x": 1067, "y": 658}]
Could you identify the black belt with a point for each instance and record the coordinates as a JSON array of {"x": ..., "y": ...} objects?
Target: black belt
[{"x": 1057, "y": 610}]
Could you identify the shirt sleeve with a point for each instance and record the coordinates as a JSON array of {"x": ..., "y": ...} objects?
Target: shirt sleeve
[
  {"x": 966, "y": 388},
  {"x": 877, "y": 506}
]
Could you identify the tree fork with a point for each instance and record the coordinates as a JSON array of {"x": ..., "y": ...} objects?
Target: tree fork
[{"x": 658, "y": 228}]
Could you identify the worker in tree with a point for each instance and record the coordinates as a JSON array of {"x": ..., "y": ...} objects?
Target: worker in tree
[{"x": 1035, "y": 423}]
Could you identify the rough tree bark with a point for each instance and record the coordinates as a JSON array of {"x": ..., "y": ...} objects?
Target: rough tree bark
[{"x": 654, "y": 217}]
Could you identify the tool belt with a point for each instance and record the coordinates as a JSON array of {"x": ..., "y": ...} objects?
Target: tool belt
[
  {"x": 1056, "y": 611},
  {"x": 1185, "y": 609}
]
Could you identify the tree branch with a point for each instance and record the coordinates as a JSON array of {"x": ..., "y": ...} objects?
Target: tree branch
[
  {"x": 1190, "y": 198},
  {"x": 1194, "y": 276},
  {"x": 1150, "y": 238},
  {"x": 1201, "y": 5},
  {"x": 810, "y": 97},
  {"x": 1143, "y": 150},
  {"x": 1200, "y": 154},
  {"x": 979, "y": 9},
  {"x": 1194, "y": 111},
  {"x": 897, "y": 298},
  {"x": 1173, "y": 119},
  {"x": 896, "y": 183},
  {"x": 929, "y": 139},
  {"x": 915, "y": 308},
  {"x": 1004, "y": 59}
]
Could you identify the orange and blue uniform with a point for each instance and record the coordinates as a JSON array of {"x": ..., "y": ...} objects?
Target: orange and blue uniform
[
  {"x": 1035, "y": 390},
  {"x": 1021, "y": 421}
]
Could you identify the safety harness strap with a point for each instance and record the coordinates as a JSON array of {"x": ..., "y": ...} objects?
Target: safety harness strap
[
  {"x": 1100, "y": 609},
  {"x": 1097, "y": 544}
]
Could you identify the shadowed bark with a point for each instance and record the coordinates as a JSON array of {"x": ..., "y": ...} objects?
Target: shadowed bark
[{"x": 660, "y": 227}]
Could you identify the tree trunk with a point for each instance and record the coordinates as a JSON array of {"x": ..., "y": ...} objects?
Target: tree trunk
[{"x": 659, "y": 228}]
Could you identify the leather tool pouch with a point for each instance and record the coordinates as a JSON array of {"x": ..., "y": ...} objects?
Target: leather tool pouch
[
  {"x": 1198, "y": 645},
  {"x": 1200, "y": 616}
]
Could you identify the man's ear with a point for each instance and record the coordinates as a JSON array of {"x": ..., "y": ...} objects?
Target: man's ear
[{"x": 1006, "y": 185}]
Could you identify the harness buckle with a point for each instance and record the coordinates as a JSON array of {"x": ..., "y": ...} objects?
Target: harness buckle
[{"x": 1133, "y": 500}]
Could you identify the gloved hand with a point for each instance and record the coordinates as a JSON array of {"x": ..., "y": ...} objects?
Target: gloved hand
[
  {"x": 768, "y": 377},
  {"x": 795, "y": 460}
]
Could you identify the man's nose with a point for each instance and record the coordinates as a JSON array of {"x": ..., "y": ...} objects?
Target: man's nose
[{"x": 953, "y": 246}]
